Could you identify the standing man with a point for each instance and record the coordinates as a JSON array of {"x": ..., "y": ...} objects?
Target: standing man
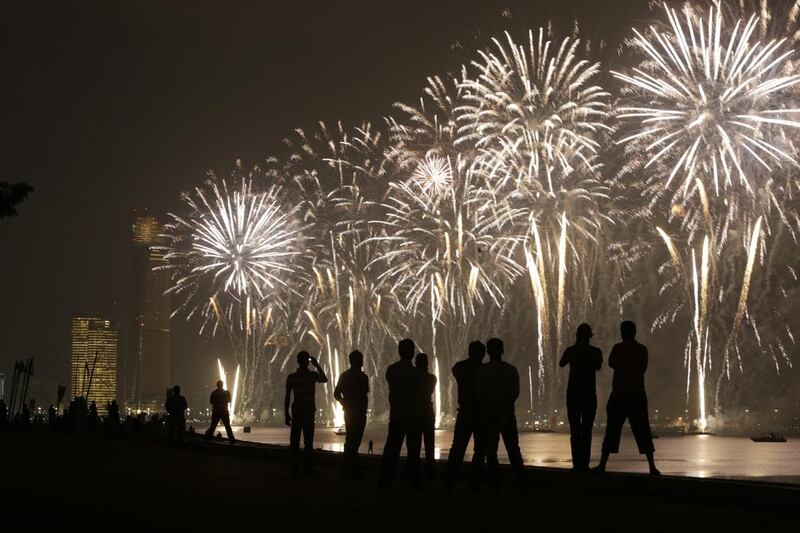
[
  {"x": 584, "y": 361},
  {"x": 352, "y": 392},
  {"x": 404, "y": 392},
  {"x": 467, "y": 418},
  {"x": 302, "y": 383},
  {"x": 176, "y": 415},
  {"x": 496, "y": 390},
  {"x": 427, "y": 412},
  {"x": 220, "y": 400},
  {"x": 628, "y": 399}
]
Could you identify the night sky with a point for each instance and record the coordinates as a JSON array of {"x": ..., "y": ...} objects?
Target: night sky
[{"x": 110, "y": 107}]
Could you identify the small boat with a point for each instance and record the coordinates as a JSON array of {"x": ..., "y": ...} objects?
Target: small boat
[
  {"x": 769, "y": 437},
  {"x": 341, "y": 431}
]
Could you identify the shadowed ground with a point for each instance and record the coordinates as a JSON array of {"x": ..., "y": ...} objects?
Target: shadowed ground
[{"x": 94, "y": 481}]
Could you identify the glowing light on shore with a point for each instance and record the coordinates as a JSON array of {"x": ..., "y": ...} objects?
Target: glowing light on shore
[{"x": 223, "y": 376}]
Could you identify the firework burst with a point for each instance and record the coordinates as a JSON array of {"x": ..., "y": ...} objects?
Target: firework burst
[
  {"x": 230, "y": 258},
  {"x": 535, "y": 105}
]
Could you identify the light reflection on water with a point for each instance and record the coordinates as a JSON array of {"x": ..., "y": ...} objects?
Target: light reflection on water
[{"x": 691, "y": 455}]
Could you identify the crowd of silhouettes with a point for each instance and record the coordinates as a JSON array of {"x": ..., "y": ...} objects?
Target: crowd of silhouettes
[{"x": 486, "y": 394}]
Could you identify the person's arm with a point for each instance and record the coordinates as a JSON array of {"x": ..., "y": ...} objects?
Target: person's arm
[
  {"x": 287, "y": 401},
  {"x": 564, "y": 358},
  {"x": 599, "y": 361},
  {"x": 337, "y": 392},
  {"x": 612, "y": 359},
  {"x": 321, "y": 377},
  {"x": 645, "y": 359},
  {"x": 515, "y": 386}
]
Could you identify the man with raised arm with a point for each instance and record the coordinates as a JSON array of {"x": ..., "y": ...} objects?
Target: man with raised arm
[{"x": 301, "y": 418}]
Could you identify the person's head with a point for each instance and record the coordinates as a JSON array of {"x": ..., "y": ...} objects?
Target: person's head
[
  {"x": 584, "y": 333},
  {"x": 477, "y": 350},
  {"x": 303, "y": 359},
  {"x": 494, "y": 347},
  {"x": 406, "y": 348},
  {"x": 219, "y": 385},
  {"x": 421, "y": 361},
  {"x": 176, "y": 390},
  {"x": 356, "y": 359},
  {"x": 628, "y": 330}
]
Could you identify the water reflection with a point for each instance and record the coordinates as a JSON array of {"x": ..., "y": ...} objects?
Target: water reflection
[{"x": 692, "y": 455}]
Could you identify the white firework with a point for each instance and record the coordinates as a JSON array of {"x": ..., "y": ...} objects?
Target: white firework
[
  {"x": 534, "y": 110},
  {"x": 434, "y": 175}
]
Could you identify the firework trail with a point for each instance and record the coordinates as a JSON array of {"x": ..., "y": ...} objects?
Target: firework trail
[
  {"x": 230, "y": 257},
  {"x": 535, "y": 105},
  {"x": 709, "y": 107},
  {"x": 539, "y": 123},
  {"x": 710, "y": 114},
  {"x": 447, "y": 258},
  {"x": 339, "y": 177}
]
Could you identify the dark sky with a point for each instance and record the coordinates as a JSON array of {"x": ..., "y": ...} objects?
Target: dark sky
[{"x": 114, "y": 106}]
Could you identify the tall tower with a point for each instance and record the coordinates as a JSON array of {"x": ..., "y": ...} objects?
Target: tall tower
[
  {"x": 147, "y": 365},
  {"x": 95, "y": 355}
]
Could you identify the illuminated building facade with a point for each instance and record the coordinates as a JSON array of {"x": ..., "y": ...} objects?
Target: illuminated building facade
[
  {"x": 95, "y": 356},
  {"x": 147, "y": 362}
]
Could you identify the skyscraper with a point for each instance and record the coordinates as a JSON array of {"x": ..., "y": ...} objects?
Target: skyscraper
[
  {"x": 147, "y": 362},
  {"x": 94, "y": 360}
]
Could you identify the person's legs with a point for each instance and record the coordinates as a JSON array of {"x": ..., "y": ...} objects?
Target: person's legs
[
  {"x": 478, "y": 461},
  {"x": 170, "y": 430},
  {"x": 308, "y": 441},
  {"x": 180, "y": 429},
  {"x": 294, "y": 442},
  {"x": 640, "y": 425},
  {"x": 575, "y": 433},
  {"x": 511, "y": 442},
  {"x": 615, "y": 413},
  {"x": 429, "y": 437},
  {"x": 455, "y": 458},
  {"x": 213, "y": 426},
  {"x": 226, "y": 419},
  {"x": 413, "y": 449},
  {"x": 359, "y": 424},
  {"x": 490, "y": 439},
  {"x": 588, "y": 413},
  {"x": 391, "y": 452},
  {"x": 349, "y": 442}
]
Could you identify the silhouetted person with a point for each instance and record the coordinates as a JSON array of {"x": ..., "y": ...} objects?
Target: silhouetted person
[
  {"x": 220, "y": 399},
  {"x": 370, "y": 447},
  {"x": 94, "y": 417},
  {"x": 51, "y": 416},
  {"x": 496, "y": 390},
  {"x": 176, "y": 415},
  {"x": 404, "y": 424},
  {"x": 352, "y": 392},
  {"x": 302, "y": 383},
  {"x": 628, "y": 399},
  {"x": 25, "y": 417},
  {"x": 584, "y": 361},
  {"x": 467, "y": 417},
  {"x": 427, "y": 412},
  {"x": 113, "y": 414},
  {"x": 3, "y": 414}
]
